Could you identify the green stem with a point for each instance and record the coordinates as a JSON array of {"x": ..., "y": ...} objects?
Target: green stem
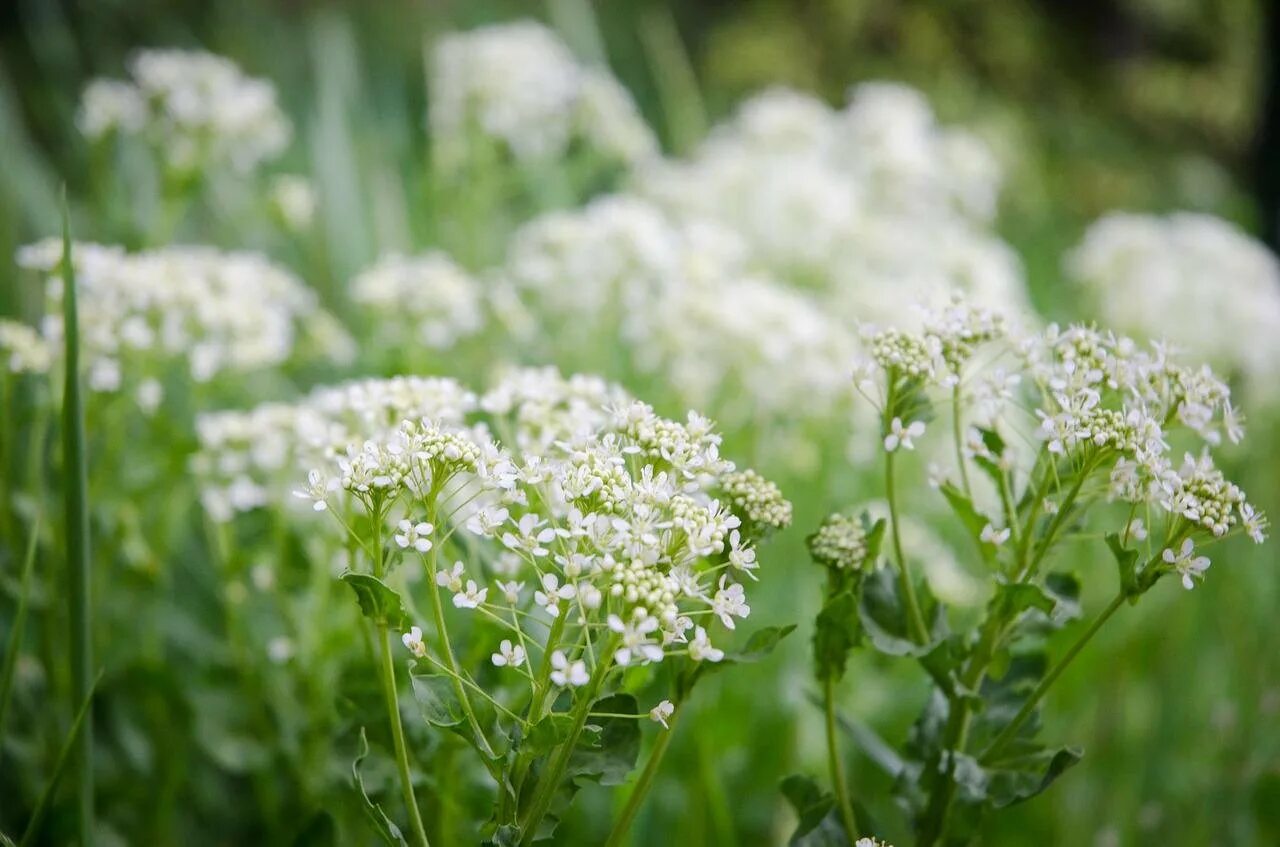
[
  {"x": 1064, "y": 509},
  {"x": 838, "y": 782},
  {"x": 387, "y": 673},
  {"x": 1008, "y": 733},
  {"x": 956, "y": 428},
  {"x": 622, "y": 826},
  {"x": 915, "y": 620}
]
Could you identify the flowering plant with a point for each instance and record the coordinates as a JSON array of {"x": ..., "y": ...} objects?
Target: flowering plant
[
  {"x": 596, "y": 540},
  {"x": 1080, "y": 430}
]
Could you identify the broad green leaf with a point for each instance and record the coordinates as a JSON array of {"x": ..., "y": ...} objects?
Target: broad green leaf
[
  {"x": 818, "y": 824},
  {"x": 547, "y": 734},
  {"x": 1012, "y": 599},
  {"x": 507, "y": 835},
  {"x": 383, "y": 825},
  {"x": 884, "y": 617},
  {"x": 760, "y": 644},
  {"x": 1064, "y": 588},
  {"x": 608, "y": 754},
  {"x": 837, "y": 630},
  {"x": 437, "y": 698},
  {"x": 379, "y": 603},
  {"x": 1011, "y": 781},
  {"x": 973, "y": 520}
]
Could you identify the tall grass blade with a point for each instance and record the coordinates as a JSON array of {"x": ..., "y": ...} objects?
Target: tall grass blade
[
  {"x": 76, "y": 487},
  {"x": 78, "y": 728},
  {"x": 14, "y": 647},
  {"x": 673, "y": 74}
]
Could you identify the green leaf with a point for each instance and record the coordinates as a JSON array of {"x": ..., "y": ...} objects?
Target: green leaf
[
  {"x": 548, "y": 734},
  {"x": 1012, "y": 599},
  {"x": 1126, "y": 565},
  {"x": 608, "y": 754},
  {"x": 837, "y": 630},
  {"x": 1064, "y": 588},
  {"x": 380, "y": 604},
  {"x": 60, "y": 766},
  {"x": 1012, "y": 781},
  {"x": 437, "y": 698},
  {"x": 875, "y": 536},
  {"x": 383, "y": 825},
  {"x": 818, "y": 824},
  {"x": 995, "y": 446},
  {"x": 507, "y": 835},
  {"x": 883, "y": 615},
  {"x": 973, "y": 520},
  {"x": 18, "y": 629},
  {"x": 760, "y": 644}
]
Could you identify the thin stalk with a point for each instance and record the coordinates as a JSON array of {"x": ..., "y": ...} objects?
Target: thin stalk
[
  {"x": 915, "y": 620},
  {"x": 386, "y": 671},
  {"x": 622, "y": 826},
  {"x": 14, "y": 647},
  {"x": 1008, "y": 733},
  {"x": 838, "y": 781},
  {"x": 76, "y": 489},
  {"x": 959, "y": 441}
]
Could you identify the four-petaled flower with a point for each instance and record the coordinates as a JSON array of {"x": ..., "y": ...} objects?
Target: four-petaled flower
[
  {"x": 552, "y": 593},
  {"x": 1186, "y": 564},
  {"x": 508, "y": 656},
  {"x": 993, "y": 536},
  {"x": 568, "y": 673},
  {"x": 730, "y": 601},
  {"x": 531, "y": 537},
  {"x": 700, "y": 647},
  {"x": 415, "y": 535},
  {"x": 635, "y": 640},
  {"x": 451, "y": 579},
  {"x": 661, "y": 712},
  {"x": 413, "y": 641},
  {"x": 472, "y": 597},
  {"x": 901, "y": 436}
]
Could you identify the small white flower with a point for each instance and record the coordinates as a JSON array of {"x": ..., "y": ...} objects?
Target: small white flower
[
  {"x": 661, "y": 712},
  {"x": 1254, "y": 523},
  {"x": 317, "y": 490},
  {"x": 414, "y": 535},
  {"x": 552, "y": 593},
  {"x": 1186, "y": 564},
  {"x": 700, "y": 647},
  {"x": 993, "y": 536},
  {"x": 567, "y": 673},
  {"x": 413, "y": 641},
  {"x": 508, "y": 656},
  {"x": 472, "y": 597},
  {"x": 451, "y": 579},
  {"x": 635, "y": 640},
  {"x": 901, "y": 436},
  {"x": 729, "y": 602},
  {"x": 511, "y": 591},
  {"x": 1136, "y": 530}
]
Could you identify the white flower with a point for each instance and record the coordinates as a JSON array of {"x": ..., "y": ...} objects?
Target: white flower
[
  {"x": 993, "y": 536},
  {"x": 661, "y": 712},
  {"x": 413, "y": 641},
  {"x": 530, "y": 540},
  {"x": 552, "y": 593},
  {"x": 729, "y": 602},
  {"x": 635, "y": 640},
  {"x": 742, "y": 556},
  {"x": 486, "y": 521},
  {"x": 901, "y": 436},
  {"x": 507, "y": 655},
  {"x": 1254, "y": 522},
  {"x": 1186, "y": 564},
  {"x": 451, "y": 579},
  {"x": 700, "y": 647},
  {"x": 472, "y": 597},
  {"x": 511, "y": 591},
  {"x": 414, "y": 535},
  {"x": 566, "y": 673},
  {"x": 1136, "y": 530}
]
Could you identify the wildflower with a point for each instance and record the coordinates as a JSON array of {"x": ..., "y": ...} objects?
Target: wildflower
[
  {"x": 451, "y": 579},
  {"x": 1254, "y": 523},
  {"x": 993, "y": 536},
  {"x": 901, "y": 436},
  {"x": 415, "y": 535},
  {"x": 700, "y": 647},
  {"x": 662, "y": 712},
  {"x": 413, "y": 641},
  {"x": 840, "y": 542},
  {"x": 552, "y": 593},
  {"x": 635, "y": 640},
  {"x": 566, "y": 673},
  {"x": 1186, "y": 564},
  {"x": 730, "y": 602},
  {"x": 530, "y": 539},
  {"x": 508, "y": 655},
  {"x": 511, "y": 591},
  {"x": 317, "y": 490},
  {"x": 470, "y": 598},
  {"x": 1136, "y": 530}
]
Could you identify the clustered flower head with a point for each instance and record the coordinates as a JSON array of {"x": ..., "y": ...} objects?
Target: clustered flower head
[
  {"x": 217, "y": 311},
  {"x": 610, "y": 521},
  {"x": 199, "y": 109},
  {"x": 421, "y": 300},
  {"x": 24, "y": 350},
  {"x": 840, "y": 542},
  {"x": 1101, "y": 403},
  {"x": 520, "y": 85},
  {"x": 1191, "y": 279}
]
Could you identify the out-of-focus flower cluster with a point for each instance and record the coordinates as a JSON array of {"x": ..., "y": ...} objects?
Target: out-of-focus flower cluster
[
  {"x": 216, "y": 311},
  {"x": 521, "y": 86},
  {"x": 198, "y": 109},
  {"x": 421, "y": 300},
  {"x": 1193, "y": 280}
]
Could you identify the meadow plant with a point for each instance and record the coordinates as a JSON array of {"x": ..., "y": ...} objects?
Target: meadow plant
[{"x": 1068, "y": 433}]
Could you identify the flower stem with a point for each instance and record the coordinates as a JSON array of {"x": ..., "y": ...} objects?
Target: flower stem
[
  {"x": 915, "y": 620},
  {"x": 622, "y": 826},
  {"x": 1008, "y": 733},
  {"x": 839, "y": 783},
  {"x": 387, "y": 673},
  {"x": 956, "y": 427}
]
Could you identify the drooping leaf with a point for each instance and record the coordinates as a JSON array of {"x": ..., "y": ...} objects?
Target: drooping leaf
[
  {"x": 1015, "y": 780},
  {"x": 608, "y": 753},
  {"x": 883, "y": 615},
  {"x": 382, "y": 825},
  {"x": 378, "y": 602},
  {"x": 837, "y": 630},
  {"x": 437, "y": 699},
  {"x": 972, "y": 520},
  {"x": 1064, "y": 588}
]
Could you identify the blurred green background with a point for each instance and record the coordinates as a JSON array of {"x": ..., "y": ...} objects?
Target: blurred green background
[{"x": 1092, "y": 106}]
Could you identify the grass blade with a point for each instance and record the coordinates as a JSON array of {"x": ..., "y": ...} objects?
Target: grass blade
[
  {"x": 76, "y": 487},
  {"x": 78, "y": 728},
  {"x": 14, "y": 647}
]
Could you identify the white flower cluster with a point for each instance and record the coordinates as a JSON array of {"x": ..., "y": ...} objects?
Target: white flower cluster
[
  {"x": 520, "y": 85},
  {"x": 198, "y": 108},
  {"x": 25, "y": 350},
  {"x": 1190, "y": 279},
  {"x": 836, "y": 200},
  {"x": 293, "y": 198},
  {"x": 679, "y": 298},
  {"x": 620, "y": 530},
  {"x": 220, "y": 312},
  {"x": 426, "y": 299},
  {"x": 252, "y": 459}
]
